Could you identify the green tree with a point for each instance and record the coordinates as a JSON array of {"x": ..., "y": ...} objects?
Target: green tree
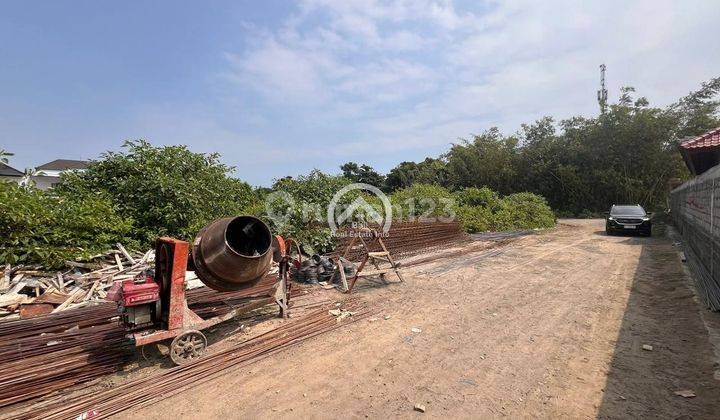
[
  {"x": 487, "y": 160},
  {"x": 166, "y": 191},
  {"x": 429, "y": 171},
  {"x": 581, "y": 165},
  {"x": 697, "y": 112},
  {"x": 401, "y": 176},
  {"x": 297, "y": 208},
  {"x": 38, "y": 227},
  {"x": 423, "y": 200},
  {"x": 362, "y": 173}
]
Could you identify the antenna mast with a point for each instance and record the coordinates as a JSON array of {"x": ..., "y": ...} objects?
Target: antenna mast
[{"x": 602, "y": 94}]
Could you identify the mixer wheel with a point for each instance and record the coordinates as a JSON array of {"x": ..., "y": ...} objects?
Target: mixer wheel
[{"x": 187, "y": 347}]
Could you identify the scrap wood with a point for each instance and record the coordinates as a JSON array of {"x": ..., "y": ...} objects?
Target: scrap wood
[
  {"x": 17, "y": 287},
  {"x": 89, "y": 266},
  {"x": 74, "y": 295},
  {"x": 88, "y": 296},
  {"x": 91, "y": 276},
  {"x": 148, "y": 256},
  {"x": 686, "y": 393},
  {"x": 127, "y": 254},
  {"x": 10, "y": 300},
  {"x": 52, "y": 296},
  {"x": 17, "y": 279},
  {"x": 118, "y": 262},
  {"x": 60, "y": 282},
  {"x": 5, "y": 281}
]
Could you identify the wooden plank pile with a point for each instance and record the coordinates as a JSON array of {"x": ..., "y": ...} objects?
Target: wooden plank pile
[{"x": 29, "y": 291}]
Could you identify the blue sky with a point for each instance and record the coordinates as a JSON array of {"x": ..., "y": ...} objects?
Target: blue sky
[{"x": 279, "y": 88}]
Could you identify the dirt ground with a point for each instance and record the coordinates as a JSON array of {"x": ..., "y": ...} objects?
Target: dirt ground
[{"x": 548, "y": 325}]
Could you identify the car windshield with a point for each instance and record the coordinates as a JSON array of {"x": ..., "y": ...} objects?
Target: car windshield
[{"x": 627, "y": 211}]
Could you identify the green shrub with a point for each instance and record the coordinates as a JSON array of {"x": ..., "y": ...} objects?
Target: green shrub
[
  {"x": 166, "y": 191},
  {"x": 423, "y": 201},
  {"x": 483, "y": 197},
  {"x": 476, "y": 218},
  {"x": 297, "y": 208},
  {"x": 39, "y": 227},
  {"x": 523, "y": 211},
  {"x": 481, "y": 209}
]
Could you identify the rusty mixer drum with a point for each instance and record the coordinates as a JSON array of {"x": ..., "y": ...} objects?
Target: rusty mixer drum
[{"x": 233, "y": 253}]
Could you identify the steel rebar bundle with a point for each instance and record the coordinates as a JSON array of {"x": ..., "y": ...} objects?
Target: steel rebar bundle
[
  {"x": 411, "y": 238},
  {"x": 169, "y": 382},
  {"x": 48, "y": 353}
]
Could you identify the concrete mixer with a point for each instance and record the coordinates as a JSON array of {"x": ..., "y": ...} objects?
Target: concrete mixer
[{"x": 229, "y": 254}]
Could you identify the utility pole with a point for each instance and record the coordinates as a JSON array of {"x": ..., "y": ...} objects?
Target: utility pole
[{"x": 602, "y": 93}]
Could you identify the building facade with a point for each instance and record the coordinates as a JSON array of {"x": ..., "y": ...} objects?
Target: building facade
[{"x": 48, "y": 175}]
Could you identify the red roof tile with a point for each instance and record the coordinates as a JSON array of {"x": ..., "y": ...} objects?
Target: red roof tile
[{"x": 707, "y": 140}]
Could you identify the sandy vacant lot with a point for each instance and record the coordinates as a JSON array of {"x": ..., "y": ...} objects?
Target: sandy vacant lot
[{"x": 549, "y": 325}]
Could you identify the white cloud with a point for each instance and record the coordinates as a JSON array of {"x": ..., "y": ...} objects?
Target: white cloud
[
  {"x": 404, "y": 40},
  {"x": 411, "y": 75}
]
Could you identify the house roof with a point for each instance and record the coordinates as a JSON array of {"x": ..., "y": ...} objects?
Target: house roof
[
  {"x": 64, "y": 165},
  {"x": 6, "y": 170},
  {"x": 702, "y": 152},
  {"x": 710, "y": 139}
]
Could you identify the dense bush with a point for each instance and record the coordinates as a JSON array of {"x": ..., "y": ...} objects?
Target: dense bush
[
  {"x": 423, "y": 201},
  {"x": 297, "y": 208},
  {"x": 476, "y": 219},
  {"x": 481, "y": 209},
  {"x": 523, "y": 211},
  {"x": 45, "y": 228},
  {"x": 479, "y": 197},
  {"x": 166, "y": 191}
]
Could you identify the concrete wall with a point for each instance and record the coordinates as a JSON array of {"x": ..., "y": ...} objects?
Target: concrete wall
[
  {"x": 695, "y": 208},
  {"x": 45, "y": 182},
  {"x": 15, "y": 179}
]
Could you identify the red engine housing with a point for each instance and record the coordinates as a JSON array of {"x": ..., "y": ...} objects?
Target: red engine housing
[
  {"x": 134, "y": 294},
  {"x": 131, "y": 293},
  {"x": 138, "y": 301}
]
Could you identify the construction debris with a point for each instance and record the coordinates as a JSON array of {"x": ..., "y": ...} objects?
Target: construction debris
[
  {"x": 28, "y": 291},
  {"x": 57, "y": 330},
  {"x": 647, "y": 347},
  {"x": 686, "y": 393}
]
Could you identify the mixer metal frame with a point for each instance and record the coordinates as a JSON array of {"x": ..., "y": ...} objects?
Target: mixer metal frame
[{"x": 184, "y": 325}]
